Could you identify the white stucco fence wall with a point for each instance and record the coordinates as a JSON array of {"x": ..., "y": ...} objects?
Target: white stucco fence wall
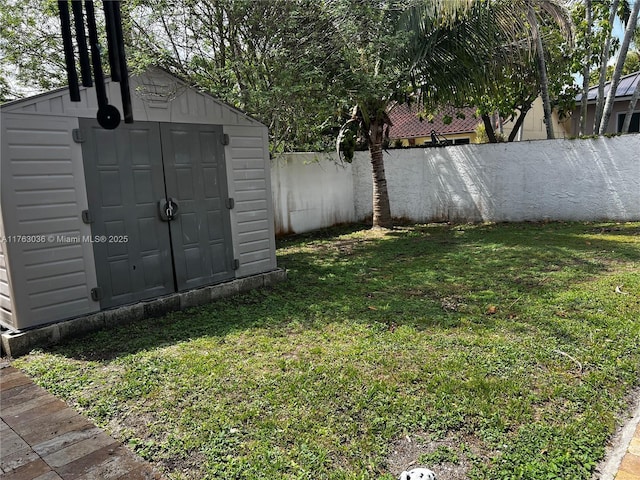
[
  {"x": 311, "y": 191},
  {"x": 582, "y": 180}
]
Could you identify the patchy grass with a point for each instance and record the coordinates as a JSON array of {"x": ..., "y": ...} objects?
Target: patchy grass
[{"x": 507, "y": 350}]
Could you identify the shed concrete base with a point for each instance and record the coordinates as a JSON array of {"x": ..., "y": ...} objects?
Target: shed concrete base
[{"x": 19, "y": 343}]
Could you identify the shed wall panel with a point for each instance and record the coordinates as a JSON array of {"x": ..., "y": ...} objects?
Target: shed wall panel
[
  {"x": 251, "y": 205},
  {"x": 249, "y": 184},
  {"x": 42, "y": 198},
  {"x": 46, "y": 165}
]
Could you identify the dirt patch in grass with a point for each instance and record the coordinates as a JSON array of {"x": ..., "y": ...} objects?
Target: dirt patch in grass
[
  {"x": 448, "y": 457},
  {"x": 344, "y": 246},
  {"x": 134, "y": 430}
]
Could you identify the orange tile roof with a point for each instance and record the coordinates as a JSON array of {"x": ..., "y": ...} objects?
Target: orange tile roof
[{"x": 407, "y": 123}]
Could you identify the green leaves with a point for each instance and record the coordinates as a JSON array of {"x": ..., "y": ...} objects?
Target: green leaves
[
  {"x": 347, "y": 140},
  {"x": 30, "y": 47}
]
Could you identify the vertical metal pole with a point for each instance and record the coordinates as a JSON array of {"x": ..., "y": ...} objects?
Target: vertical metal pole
[
  {"x": 67, "y": 42},
  {"x": 112, "y": 43},
  {"x": 81, "y": 40},
  {"x": 101, "y": 92},
  {"x": 108, "y": 115},
  {"x": 125, "y": 92}
]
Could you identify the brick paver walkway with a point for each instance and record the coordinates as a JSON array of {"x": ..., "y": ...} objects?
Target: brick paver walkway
[
  {"x": 43, "y": 439},
  {"x": 630, "y": 465}
]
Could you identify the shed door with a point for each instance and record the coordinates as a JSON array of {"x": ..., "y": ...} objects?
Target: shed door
[
  {"x": 195, "y": 176},
  {"x": 131, "y": 172}
]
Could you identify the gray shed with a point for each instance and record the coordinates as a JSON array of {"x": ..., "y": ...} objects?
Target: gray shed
[{"x": 93, "y": 219}]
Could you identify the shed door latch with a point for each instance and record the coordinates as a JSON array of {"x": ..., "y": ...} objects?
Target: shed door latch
[
  {"x": 77, "y": 136},
  {"x": 168, "y": 209},
  {"x": 96, "y": 294}
]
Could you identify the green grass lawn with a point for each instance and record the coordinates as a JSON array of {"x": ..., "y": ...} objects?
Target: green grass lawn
[{"x": 499, "y": 351}]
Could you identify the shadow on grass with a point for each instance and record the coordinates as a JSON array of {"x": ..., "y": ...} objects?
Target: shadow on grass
[{"x": 424, "y": 276}]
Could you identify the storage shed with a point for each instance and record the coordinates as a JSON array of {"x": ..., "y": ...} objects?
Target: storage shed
[{"x": 93, "y": 219}]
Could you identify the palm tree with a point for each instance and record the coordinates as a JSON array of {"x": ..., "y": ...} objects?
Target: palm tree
[
  {"x": 617, "y": 73},
  {"x": 604, "y": 58},
  {"x": 586, "y": 66},
  {"x": 432, "y": 51},
  {"x": 556, "y": 12}
]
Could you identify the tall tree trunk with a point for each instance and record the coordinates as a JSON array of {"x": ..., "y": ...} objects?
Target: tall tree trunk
[
  {"x": 586, "y": 69},
  {"x": 604, "y": 58},
  {"x": 542, "y": 72},
  {"x": 624, "y": 48},
  {"x": 632, "y": 107},
  {"x": 381, "y": 205}
]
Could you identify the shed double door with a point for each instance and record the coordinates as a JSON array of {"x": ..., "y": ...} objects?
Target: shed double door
[{"x": 157, "y": 196}]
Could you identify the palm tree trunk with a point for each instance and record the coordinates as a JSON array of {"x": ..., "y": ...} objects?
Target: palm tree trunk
[
  {"x": 542, "y": 72},
  {"x": 632, "y": 107},
  {"x": 381, "y": 205},
  {"x": 604, "y": 58},
  {"x": 586, "y": 69},
  {"x": 624, "y": 48}
]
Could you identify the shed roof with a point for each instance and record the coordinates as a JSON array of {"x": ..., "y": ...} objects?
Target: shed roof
[
  {"x": 409, "y": 121},
  {"x": 156, "y": 95},
  {"x": 626, "y": 87}
]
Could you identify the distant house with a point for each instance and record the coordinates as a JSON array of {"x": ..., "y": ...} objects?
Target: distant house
[
  {"x": 624, "y": 93},
  {"x": 411, "y": 127},
  {"x": 534, "y": 128}
]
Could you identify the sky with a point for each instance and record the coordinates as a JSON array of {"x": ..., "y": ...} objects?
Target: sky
[{"x": 618, "y": 31}]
